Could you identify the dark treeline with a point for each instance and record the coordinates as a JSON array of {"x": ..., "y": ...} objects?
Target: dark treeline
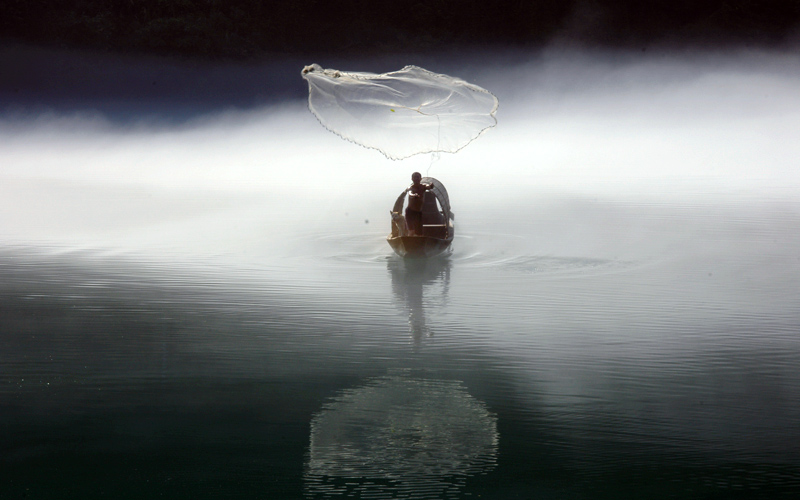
[{"x": 246, "y": 28}]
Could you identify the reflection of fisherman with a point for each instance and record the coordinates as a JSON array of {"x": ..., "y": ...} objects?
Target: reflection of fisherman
[{"x": 416, "y": 193}]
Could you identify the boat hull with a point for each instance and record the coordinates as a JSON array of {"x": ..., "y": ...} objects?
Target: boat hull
[{"x": 418, "y": 246}]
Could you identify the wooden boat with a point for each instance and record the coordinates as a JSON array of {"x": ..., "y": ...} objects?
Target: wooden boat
[{"x": 437, "y": 224}]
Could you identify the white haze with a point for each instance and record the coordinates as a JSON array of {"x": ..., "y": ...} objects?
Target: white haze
[{"x": 669, "y": 129}]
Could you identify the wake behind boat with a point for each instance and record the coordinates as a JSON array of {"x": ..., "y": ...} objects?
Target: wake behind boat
[{"x": 437, "y": 227}]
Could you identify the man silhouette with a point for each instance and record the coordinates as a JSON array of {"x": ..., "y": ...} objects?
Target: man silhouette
[{"x": 416, "y": 192}]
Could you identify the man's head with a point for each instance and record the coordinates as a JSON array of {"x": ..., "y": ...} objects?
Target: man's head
[{"x": 416, "y": 177}]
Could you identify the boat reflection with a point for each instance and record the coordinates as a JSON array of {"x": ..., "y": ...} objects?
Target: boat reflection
[
  {"x": 417, "y": 284},
  {"x": 399, "y": 436}
]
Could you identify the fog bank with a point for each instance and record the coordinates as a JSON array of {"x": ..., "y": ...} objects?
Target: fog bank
[{"x": 685, "y": 129}]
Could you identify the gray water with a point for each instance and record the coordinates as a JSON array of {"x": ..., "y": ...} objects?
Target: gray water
[{"x": 210, "y": 309}]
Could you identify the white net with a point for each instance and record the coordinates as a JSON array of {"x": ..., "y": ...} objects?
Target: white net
[{"x": 401, "y": 113}]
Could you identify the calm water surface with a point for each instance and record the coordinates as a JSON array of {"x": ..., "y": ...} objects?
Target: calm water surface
[{"x": 188, "y": 329}]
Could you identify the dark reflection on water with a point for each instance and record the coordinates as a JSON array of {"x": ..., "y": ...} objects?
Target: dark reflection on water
[
  {"x": 405, "y": 434},
  {"x": 410, "y": 280}
]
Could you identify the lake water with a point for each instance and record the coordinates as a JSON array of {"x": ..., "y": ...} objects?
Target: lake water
[{"x": 209, "y": 309}]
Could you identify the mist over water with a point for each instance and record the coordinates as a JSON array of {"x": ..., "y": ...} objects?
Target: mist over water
[{"x": 206, "y": 306}]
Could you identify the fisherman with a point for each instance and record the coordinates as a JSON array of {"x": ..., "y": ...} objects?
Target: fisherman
[{"x": 415, "y": 191}]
